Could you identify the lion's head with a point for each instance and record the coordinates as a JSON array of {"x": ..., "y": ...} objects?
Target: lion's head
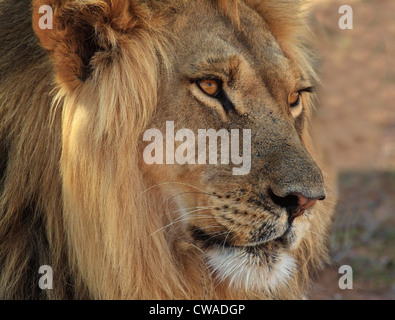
[{"x": 133, "y": 79}]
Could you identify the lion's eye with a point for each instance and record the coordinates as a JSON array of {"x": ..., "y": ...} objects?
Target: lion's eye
[
  {"x": 210, "y": 86},
  {"x": 294, "y": 99}
]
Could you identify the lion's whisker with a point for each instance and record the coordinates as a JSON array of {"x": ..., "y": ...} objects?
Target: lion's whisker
[
  {"x": 172, "y": 182},
  {"x": 178, "y": 218},
  {"x": 191, "y": 192},
  {"x": 216, "y": 235},
  {"x": 183, "y": 209},
  {"x": 202, "y": 217},
  {"x": 229, "y": 231}
]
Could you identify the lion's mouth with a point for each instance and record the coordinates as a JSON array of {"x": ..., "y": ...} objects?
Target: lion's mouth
[{"x": 209, "y": 241}]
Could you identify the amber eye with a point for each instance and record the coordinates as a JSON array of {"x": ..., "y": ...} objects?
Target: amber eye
[
  {"x": 210, "y": 86},
  {"x": 294, "y": 99}
]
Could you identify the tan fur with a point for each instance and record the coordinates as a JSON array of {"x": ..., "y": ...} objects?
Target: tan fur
[{"x": 75, "y": 192}]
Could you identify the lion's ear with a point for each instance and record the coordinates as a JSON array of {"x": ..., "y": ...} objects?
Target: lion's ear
[{"x": 80, "y": 29}]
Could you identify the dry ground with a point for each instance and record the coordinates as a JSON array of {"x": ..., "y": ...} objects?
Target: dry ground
[{"x": 355, "y": 126}]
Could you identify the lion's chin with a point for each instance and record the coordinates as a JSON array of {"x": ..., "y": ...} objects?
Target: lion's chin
[
  {"x": 262, "y": 267},
  {"x": 252, "y": 268}
]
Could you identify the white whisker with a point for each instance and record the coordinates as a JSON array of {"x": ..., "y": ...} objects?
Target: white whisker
[
  {"x": 179, "y": 219},
  {"x": 172, "y": 182}
]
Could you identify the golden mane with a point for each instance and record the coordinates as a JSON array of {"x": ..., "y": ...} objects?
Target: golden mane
[{"x": 69, "y": 141}]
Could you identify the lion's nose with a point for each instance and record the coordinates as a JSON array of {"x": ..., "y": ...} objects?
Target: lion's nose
[{"x": 295, "y": 204}]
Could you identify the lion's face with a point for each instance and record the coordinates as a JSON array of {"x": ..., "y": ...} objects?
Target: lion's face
[{"x": 233, "y": 78}]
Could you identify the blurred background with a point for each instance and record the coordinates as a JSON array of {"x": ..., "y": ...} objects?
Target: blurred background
[{"x": 355, "y": 128}]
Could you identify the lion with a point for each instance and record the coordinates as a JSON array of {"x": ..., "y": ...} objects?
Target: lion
[{"x": 77, "y": 96}]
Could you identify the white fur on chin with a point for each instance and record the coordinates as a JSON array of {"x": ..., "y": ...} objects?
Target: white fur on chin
[{"x": 246, "y": 271}]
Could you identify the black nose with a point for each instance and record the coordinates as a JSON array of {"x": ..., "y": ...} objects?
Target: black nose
[{"x": 295, "y": 203}]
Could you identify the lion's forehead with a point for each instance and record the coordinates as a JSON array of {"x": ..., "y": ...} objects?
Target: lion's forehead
[{"x": 210, "y": 39}]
